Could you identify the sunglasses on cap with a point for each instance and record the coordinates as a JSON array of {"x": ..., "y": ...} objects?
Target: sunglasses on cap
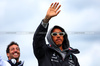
[{"x": 60, "y": 33}]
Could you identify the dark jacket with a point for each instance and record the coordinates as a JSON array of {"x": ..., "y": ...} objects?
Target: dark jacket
[
  {"x": 14, "y": 63},
  {"x": 51, "y": 55}
]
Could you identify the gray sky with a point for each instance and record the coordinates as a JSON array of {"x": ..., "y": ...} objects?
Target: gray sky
[{"x": 80, "y": 18}]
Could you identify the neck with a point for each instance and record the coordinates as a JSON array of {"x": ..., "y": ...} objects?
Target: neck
[
  {"x": 61, "y": 48},
  {"x": 17, "y": 60}
]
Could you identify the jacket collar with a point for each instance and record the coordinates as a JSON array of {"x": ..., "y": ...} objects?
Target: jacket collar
[{"x": 14, "y": 63}]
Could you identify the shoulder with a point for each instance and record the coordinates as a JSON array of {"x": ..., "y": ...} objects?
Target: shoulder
[
  {"x": 75, "y": 59},
  {"x": 74, "y": 56},
  {"x": 7, "y": 64},
  {"x": 4, "y": 63}
]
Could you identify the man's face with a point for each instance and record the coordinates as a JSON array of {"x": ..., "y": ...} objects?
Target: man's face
[
  {"x": 14, "y": 52},
  {"x": 57, "y": 37}
]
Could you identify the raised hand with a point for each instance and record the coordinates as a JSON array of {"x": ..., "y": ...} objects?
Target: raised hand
[{"x": 52, "y": 11}]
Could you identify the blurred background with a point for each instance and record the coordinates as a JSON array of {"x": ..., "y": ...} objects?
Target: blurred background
[{"x": 80, "y": 18}]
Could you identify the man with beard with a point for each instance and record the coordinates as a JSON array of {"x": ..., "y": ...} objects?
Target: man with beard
[
  {"x": 13, "y": 54},
  {"x": 58, "y": 52}
]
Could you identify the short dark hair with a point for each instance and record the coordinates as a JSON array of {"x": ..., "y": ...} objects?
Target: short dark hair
[
  {"x": 58, "y": 27},
  {"x": 12, "y": 43}
]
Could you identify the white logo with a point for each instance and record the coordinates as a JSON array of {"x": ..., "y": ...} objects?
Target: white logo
[
  {"x": 54, "y": 58},
  {"x": 71, "y": 63}
]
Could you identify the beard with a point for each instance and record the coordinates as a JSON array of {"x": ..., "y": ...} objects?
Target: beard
[
  {"x": 59, "y": 45},
  {"x": 16, "y": 58}
]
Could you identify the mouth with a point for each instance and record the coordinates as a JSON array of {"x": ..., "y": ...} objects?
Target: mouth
[
  {"x": 58, "y": 40},
  {"x": 16, "y": 54}
]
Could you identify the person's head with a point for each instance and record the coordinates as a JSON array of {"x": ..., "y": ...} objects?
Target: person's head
[
  {"x": 13, "y": 51},
  {"x": 57, "y": 36}
]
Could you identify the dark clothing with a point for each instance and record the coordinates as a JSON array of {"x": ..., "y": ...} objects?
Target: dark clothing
[
  {"x": 14, "y": 63},
  {"x": 51, "y": 55}
]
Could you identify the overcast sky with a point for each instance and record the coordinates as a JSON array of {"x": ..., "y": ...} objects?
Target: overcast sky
[{"x": 80, "y": 18}]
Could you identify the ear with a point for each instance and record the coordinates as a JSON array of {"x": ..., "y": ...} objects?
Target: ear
[{"x": 8, "y": 55}]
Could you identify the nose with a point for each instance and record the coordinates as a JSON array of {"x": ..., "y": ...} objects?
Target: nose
[
  {"x": 58, "y": 36},
  {"x": 15, "y": 50}
]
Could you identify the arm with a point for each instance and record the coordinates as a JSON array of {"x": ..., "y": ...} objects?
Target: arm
[
  {"x": 75, "y": 59},
  {"x": 77, "y": 63},
  {"x": 39, "y": 44}
]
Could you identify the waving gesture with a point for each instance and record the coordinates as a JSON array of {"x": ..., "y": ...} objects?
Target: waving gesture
[{"x": 52, "y": 11}]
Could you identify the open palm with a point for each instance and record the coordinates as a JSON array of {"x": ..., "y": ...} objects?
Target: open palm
[{"x": 53, "y": 10}]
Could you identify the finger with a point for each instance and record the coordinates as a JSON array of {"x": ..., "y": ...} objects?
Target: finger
[
  {"x": 58, "y": 7},
  {"x": 54, "y": 5},
  {"x": 51, "y": 5},
  {"x": 58, "y": 12}
]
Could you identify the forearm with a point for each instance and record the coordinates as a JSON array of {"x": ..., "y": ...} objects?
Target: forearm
[
  {"x": 40, "y": 33},
  {"x": 39, "y": 41},
  {"x": 46, "y": 19}
]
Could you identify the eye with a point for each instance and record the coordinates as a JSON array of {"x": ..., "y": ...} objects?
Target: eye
[
  {"x": 17, "y": 48},
  {"x": 54, "y": 34},
  {"x": 62, "y": 33},
  {"x": 12, "y": 49}
]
